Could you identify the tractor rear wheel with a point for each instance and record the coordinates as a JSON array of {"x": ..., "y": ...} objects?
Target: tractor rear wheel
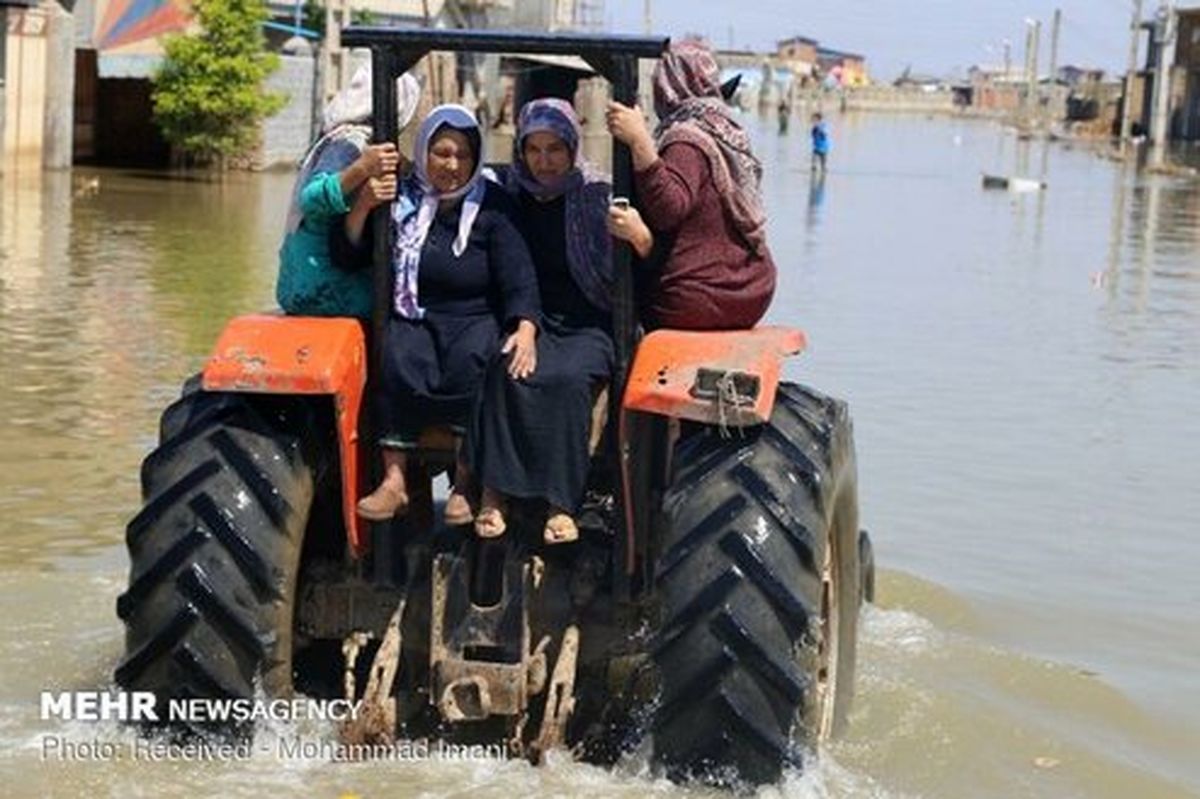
[
  {"x": 215, "y": 550},
  {"x": 759, "y": 584}
]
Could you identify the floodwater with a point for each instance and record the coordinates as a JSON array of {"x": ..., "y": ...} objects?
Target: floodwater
[{"x": 1023, "y": 371}]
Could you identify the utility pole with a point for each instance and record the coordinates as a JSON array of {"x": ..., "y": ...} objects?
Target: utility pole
[
  {"x": 333, "y": 57},
  {"x": 646, "y": 18},
  {"x": 58, "y": 123},
  {"x": 1054, "y": 43},
  {"x": 1051, "y": 92},
  {"x": 1135, "y": 33},
  {"x": 1164, "y": 38},
  {"x": 1007, "y": 59},
  {"x": 3, "y": 80},
  {"x": 1032, "y": 38},
  {"x": 1054, "y": 33}
]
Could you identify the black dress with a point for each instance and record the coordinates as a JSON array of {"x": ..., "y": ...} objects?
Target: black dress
[
  {"x": 433, "y": 367},
  {"x": 529, "y": 438}
]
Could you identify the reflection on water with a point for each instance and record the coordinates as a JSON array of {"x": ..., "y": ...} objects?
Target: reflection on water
[
  {"x": 107, "y": 299},
  {"x": 816, "y": 196},
  {"x": 1022, "y": 369}
]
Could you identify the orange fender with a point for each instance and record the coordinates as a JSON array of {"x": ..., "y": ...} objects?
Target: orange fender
[
  {"x": 271, "y": 354},
  {"x": 718, "y": 377}
]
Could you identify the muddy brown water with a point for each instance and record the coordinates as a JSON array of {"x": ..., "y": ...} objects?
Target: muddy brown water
[{"x": 1023, "y": 372}]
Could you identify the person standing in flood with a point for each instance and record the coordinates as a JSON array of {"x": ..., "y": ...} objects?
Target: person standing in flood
[
  {"x": 699, "y": 183},
  {"x": 820, "y": 143}
]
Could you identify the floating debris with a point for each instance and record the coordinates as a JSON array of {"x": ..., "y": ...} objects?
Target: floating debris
[{"x": 1012, "y": 184}]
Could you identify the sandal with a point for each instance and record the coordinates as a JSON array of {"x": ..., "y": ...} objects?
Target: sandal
[
  {"x": 383, "y": 503},
  {"x": 490, "y": 523},
  {"x": 458, "y": 510},
  {"x": 560, "y": 529}
]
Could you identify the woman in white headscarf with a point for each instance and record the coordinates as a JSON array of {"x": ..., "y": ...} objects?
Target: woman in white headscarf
[
  {"x": 338, "y": 163},
  {"x": 465, "y": 290}
]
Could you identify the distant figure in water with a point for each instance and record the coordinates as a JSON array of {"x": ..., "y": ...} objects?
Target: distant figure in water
[
  {"x": 785, "y": 115},
  {"x": 820, "y": 143}
]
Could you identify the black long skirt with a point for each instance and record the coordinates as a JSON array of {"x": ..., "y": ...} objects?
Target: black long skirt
[
  {"x": 529, "y": 438},
  {"x": 432, "y": 372}
]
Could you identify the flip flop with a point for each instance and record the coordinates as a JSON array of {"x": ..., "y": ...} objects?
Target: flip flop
[
  {"x": 490, "y": 523},
  {"x": 458, "y": 510},
  {"x": 560, "y": 529}
]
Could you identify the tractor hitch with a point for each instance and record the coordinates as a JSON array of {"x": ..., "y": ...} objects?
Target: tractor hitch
[{"x": 480, "y": 656}]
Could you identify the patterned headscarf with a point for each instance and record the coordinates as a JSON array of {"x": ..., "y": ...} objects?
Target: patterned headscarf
[
  {"x": 687, "y": 99},
  {"x": 417, "y": 204},
  {"x": 346, "y": 130},
  {"x": 589, "y": 246}
]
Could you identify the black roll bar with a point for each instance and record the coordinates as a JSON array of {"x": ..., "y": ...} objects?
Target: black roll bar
[{"x": 394, "y": 51}]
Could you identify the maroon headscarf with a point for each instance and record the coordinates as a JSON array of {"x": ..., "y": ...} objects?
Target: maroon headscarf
[{"x": 687, "y": 99}]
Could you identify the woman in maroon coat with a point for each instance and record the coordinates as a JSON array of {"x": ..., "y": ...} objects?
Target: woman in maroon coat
[{"x": 698, "y": 183}]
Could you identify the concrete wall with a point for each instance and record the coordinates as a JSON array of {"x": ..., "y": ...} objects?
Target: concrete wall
[
  {"x": 287, "y": 135},
  {"x": 996, "y": 97},
  {"x": 25, "y": 78},
  {"x": 889, "y": 98}
]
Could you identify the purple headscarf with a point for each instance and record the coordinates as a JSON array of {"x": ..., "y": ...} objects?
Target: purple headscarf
[
  {"x": 589, "y": 247},
  {"x": 687, "y": 99}
]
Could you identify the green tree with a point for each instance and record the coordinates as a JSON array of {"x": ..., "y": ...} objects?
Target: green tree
[
  {"x": 314, "y": 16},
  {"x": 208, "y": 94}
]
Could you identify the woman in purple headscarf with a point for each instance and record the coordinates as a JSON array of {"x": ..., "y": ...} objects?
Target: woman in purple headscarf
[
  {"x": 529, "y": 437},
  {"x": 698, "y": 183}
]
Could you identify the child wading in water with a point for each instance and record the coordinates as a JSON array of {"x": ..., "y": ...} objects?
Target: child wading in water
[{"x": 820, "y": 143}]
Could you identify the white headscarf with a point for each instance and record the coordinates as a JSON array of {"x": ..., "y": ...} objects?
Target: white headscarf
[
  {"x": 417, "y": 206},
  {"x": 352, "y": 105},
  {"x": 347, "y": 119}
]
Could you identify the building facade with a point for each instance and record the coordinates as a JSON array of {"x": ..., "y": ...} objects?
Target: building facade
[
  {"x": 848, "y": 69},
  {"x": 1187, "y": 75},
  {"x": 798, "y": 54}
]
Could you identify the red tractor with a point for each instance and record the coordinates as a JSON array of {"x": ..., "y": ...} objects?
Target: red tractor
[{"x": 711, "y": 602}]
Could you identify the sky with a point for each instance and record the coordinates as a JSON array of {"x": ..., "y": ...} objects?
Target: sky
[{"x": 941, "y": 37}]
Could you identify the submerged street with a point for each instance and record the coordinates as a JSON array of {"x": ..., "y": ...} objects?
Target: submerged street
[{"x": 1022, "y": 370}]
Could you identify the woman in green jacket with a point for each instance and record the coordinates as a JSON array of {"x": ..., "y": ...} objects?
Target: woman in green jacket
[{"x": 309, "y": 284}]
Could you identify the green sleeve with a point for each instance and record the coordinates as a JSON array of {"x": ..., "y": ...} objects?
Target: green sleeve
[{"x": 322, "y": 197}]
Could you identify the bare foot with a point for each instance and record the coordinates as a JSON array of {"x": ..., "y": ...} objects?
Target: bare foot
[
  {"x": 458, "y": 510},
  {"x": 560, "y": 528},
  {"x": 490, "y": 521}
]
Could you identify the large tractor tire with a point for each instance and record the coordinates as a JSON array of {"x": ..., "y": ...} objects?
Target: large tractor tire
[
  {"x": 215, "y": 550},
  {"x": 759, "y": 584}
]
